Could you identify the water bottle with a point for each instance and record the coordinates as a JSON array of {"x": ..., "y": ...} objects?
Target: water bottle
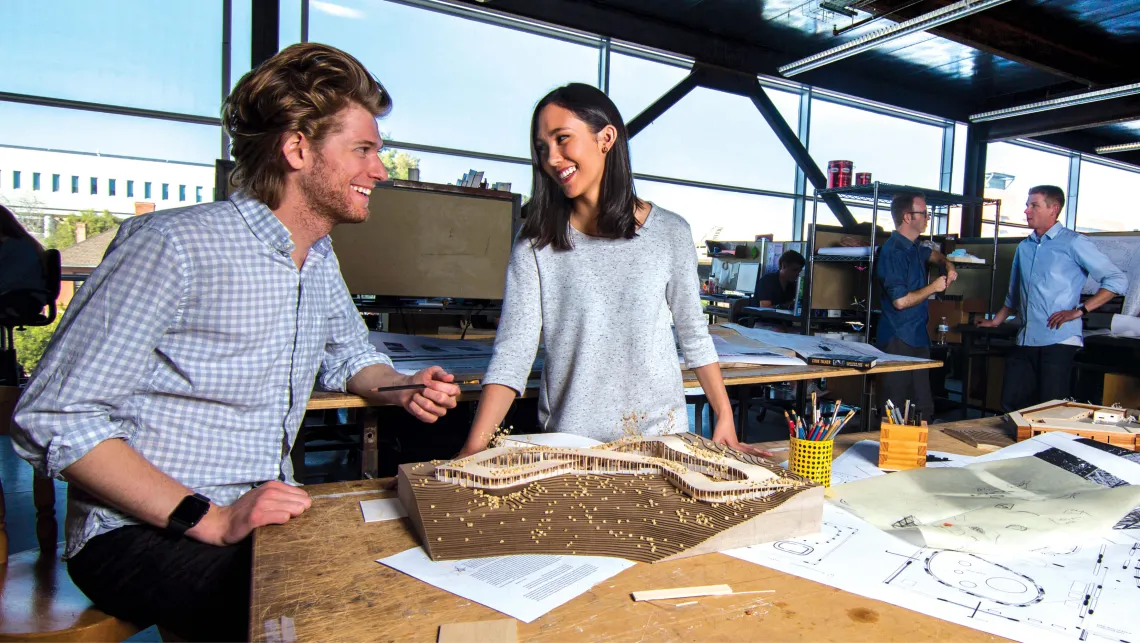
[{"x": 943, "y": 328}]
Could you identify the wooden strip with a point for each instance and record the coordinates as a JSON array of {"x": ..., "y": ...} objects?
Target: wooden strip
[
  {"x": 681, "y": 592},
  {"x": 501, "y": 631}
]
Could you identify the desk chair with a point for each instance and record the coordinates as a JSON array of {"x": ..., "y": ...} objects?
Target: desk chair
[
  {"x": 38, "y": 601},
  {"x": 10, "y": 320}
]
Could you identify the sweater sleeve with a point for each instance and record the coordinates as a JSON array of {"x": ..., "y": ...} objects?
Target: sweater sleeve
[
  {"x": 516, "y": 340},
  {"x": 683, "y": 295}
]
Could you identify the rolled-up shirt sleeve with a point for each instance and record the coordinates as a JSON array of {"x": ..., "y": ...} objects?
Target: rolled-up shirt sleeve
[
  {"x": 520, "y": 327},
  {"x": 1099, "y": 266},
  {"x": 103, "y": 353},
  {"x": 683, "y": 293},
  {"x": 347, "y": 349}
]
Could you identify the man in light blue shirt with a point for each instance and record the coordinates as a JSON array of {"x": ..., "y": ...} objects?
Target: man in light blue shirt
[{"x": 1049, "y": 269}]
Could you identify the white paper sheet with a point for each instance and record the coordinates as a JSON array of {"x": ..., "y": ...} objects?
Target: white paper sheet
[
  {"x": 861, "y": 461},
  {"x": 807, "y": 346},
  {"x": 524, "y": 587},
  {"x": 382, "y": 509},
  {"x": 730, "y": 353},
  {"x": 1086, "y": 593},
  {"x": 1125, "y": 326}
]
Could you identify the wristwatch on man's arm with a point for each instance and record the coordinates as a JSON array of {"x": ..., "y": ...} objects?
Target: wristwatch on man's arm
[
  {"x": 188, "y": 513},
  {"x": 1084, "y": 311}
]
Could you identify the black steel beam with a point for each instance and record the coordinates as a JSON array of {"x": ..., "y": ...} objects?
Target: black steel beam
[
  {"x": 661, "y": 105},
  {"x": 1067, "y": 119},
  {"x": 1081, "y": 142},
  {"x": 975, "y": 180},
  {"x": 263, "y": 31},
  {"x": 799, "y": 153}
]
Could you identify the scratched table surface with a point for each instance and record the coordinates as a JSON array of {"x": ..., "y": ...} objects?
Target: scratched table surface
[{"x": 319, "y": 570}]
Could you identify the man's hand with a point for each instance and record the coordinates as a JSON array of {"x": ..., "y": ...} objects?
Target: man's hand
[
  {"x": 1060, "y": 317},
  {"x": 951, "y": 275},
  {"x": 986, "y": 323},
  {"x": 939, "y": 284},
  {"x": 273, "y": 503},
  {"x": 439, "y": 394},
  {"x": 725, "y": 433}
]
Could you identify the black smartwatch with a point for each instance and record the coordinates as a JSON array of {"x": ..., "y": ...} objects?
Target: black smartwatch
[
  {"x": 188, "y": 513},
  {"x": 1084, "y": 311}
]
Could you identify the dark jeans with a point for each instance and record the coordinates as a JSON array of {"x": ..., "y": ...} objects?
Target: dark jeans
[
  {"x": 1036, "y": 374},
  {"x": 144, "y": 575},
  {"x": 907, "y": 385}
]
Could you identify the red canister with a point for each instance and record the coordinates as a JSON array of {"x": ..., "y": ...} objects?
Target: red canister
[
  {"x": 839, "y": 174},
  {"x": 862, "y": 178}
]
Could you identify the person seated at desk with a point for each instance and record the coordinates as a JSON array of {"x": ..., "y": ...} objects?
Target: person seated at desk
[
  {"x": 775, "y": 289},
  {"x": 170, "y": 402},
  {"x": 1049, "y": 269},
  {"x": 599, "y": 275},
  {"x": 23, "y": 291},
  {"x": 903, "y": 288}
]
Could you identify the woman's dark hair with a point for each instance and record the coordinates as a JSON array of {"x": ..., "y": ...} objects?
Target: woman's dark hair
[{"x": 547, "y": 213}]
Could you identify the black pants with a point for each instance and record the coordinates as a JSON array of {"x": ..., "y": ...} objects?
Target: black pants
[
  {"x": 1036, "y": 374},
  {"x": 144, "y": 575},
  {"x": 907, "y": 385}
]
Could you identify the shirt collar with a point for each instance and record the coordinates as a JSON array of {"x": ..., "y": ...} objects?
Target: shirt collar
[
  {"x": 1051, "y": 232},
  {"x": 268, "y": 228},
  {"x": 900, "y": 238}
]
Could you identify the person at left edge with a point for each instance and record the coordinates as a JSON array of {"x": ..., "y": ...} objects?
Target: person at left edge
[{"x": 179, "y": 375}]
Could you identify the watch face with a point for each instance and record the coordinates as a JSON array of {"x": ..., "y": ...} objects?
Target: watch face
[{"x": 189, "y": 512}]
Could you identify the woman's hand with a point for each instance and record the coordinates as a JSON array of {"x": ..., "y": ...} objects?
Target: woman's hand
[{"x": 725, "y": 433}]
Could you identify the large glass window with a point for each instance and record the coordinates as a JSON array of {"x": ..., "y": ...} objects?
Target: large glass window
[
  {"x": 1011, "y": 170},
  {"x": 714, "y": 137},
  {"x": 455, "y": 82},
  {"x": 1104, "y": 203},
  {"x": 721, "y": 214},
  {"x": 894, "y": 150},
  {"x": 121, "y": 52},
  {"x": 635, "y": 82}
]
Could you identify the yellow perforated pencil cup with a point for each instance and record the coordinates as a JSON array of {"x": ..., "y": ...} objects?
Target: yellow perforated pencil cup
[{"x": 811, "y": 459}]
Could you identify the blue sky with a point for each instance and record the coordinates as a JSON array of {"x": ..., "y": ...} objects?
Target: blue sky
[{"x": 456, "y": 83}]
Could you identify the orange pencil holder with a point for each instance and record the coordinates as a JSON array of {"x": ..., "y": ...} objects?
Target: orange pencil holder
[{"x": 811, "y": 459}]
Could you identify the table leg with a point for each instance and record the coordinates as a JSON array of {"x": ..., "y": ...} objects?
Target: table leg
[
  {"x": 370, "y": 450},
  {"x": 967, "y": 360},
  {"x": 43, "y": 497},
  {"x": 744, "y": 399}
]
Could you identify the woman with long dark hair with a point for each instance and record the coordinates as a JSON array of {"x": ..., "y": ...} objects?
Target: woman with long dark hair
[
  {"x": 22, "y": 288},
  {"x": 602, "y": 278}
]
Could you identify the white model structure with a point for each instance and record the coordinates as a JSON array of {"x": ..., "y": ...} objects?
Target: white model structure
[
  {"x": 1106, "y": 424},
  {"x": 647, "y": 499}
]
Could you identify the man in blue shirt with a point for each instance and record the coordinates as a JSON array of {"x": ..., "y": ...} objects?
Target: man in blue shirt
[
  {"x": 1049, "y": 269},
  {"x": 901, "y": 273},
  {"x": 175, "y": 387}
]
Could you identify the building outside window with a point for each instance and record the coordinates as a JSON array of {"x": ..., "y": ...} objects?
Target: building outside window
[
  {"x": 146, "y": 190},
  {"x": 165, "y": 191},
  {"x": 182, "y": 193},
  {"x": 111, "y": 187},
  {"x": 75, "y": 185},
  {"x": 130, "y": 189},
  {"x": 94, "y": 185},
  {"x": 16, "y": 180},
  {"x": 55, "y": 183},
  {"x": 198, "y": 194},
  {"x": 35, "y": 180}
]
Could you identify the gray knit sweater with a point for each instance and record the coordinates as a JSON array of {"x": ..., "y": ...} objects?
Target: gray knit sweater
[{"x": 603, "y": 309}]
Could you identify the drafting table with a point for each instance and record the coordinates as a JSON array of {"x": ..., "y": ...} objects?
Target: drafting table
[{"x": 319, "y": 570}]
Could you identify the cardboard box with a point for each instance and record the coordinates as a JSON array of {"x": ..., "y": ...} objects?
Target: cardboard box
[{"x": 955, "y": 312}]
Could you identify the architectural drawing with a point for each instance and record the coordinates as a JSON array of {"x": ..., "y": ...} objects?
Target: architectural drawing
[{"x": 645, "y": 499}]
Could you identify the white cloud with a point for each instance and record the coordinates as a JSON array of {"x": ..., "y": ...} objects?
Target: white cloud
[{"x": 334, "y": 9}]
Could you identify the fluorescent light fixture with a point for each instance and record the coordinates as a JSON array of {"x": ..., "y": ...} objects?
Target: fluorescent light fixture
[
  {"x": 1123, "y": 147},
  {"x": 1058, "y": 103},
  {"x": 959, "y": 9}
]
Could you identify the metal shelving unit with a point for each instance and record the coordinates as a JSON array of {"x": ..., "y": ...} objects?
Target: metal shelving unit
[{"x": 877, "y": 195}]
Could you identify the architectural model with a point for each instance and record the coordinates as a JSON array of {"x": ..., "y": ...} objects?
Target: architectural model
[
  {"x": 1107, "y": 424},
  {"x": 646, "y": 499}
]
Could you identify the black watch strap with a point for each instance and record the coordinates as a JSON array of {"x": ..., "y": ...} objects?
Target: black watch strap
[
  {"x": 1084, "y": 311},
  {"x": 188, "y": 513}
]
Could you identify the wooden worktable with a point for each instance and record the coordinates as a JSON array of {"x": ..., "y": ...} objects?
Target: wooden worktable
[{"x": 319, "y": 570}]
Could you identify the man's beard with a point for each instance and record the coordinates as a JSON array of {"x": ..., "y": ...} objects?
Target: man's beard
[{"x": 325, "y": 198}]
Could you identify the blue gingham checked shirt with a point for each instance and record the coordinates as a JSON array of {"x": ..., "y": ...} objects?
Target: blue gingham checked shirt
[{"x": 198, "y": 341}]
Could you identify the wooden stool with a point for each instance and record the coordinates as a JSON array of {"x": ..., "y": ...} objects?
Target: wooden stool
[{"x": 38, "y": 601}]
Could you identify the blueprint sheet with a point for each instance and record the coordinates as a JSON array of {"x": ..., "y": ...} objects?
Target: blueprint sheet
[{"x": 1087, "y": 592}]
